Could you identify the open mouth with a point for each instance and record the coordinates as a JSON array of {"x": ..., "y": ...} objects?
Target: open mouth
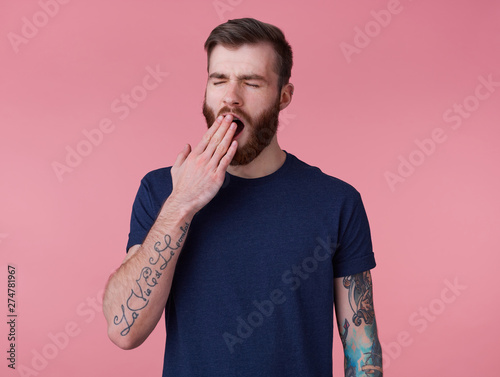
[{"x": 240, "y": 125}]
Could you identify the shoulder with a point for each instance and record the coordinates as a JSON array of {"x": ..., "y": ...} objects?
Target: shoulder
[
  {"x": 161, "y": 175},
  {"x": 156, "y": 185},
  {"x": 321, "y": 183}
]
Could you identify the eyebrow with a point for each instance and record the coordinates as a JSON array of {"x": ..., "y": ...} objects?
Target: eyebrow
[{"x": 218, "y": 75}]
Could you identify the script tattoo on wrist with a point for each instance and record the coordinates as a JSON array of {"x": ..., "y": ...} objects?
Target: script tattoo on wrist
[
  {"x": 365, "y": 355},
  {"x": 148, "y": 279}
]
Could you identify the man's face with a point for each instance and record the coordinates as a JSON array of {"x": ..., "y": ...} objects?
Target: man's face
[{"x": 243, "y": 82}]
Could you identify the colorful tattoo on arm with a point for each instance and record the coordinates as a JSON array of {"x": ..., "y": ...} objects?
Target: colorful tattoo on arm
[
  {"x": 360, "y": 297},
  {"x": 148, "y": 279},
  {"x": 363, "y": 357}
]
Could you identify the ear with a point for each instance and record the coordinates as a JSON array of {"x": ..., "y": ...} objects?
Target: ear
[{"x": 286, "y": 95}]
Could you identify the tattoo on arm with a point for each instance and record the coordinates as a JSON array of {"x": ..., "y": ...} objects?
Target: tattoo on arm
[
  {"x": 148, "y": 279},
  {"x": 360, "y": 297},
  {"x": 367, "y": 356}
]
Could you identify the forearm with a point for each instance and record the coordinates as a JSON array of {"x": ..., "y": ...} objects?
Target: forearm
[
  {"x": 362, "y": 353},
  {"x": 357, "y": 325},
  {"x": 137, "y": 292}
]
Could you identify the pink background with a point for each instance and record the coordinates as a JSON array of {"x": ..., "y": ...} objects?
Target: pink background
[{"x": 356, "y": 115}]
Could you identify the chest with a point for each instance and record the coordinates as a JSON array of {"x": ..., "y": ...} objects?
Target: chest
[{"x": 244, "y": 243}]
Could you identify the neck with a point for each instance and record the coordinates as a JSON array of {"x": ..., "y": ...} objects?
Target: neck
[{"x": 267, "y": 162}]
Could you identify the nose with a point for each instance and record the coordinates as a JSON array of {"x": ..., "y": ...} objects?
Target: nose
[{"x": 232, "y": 96}]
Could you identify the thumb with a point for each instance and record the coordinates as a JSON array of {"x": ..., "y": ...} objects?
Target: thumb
[{"x": 181, "y": 157}]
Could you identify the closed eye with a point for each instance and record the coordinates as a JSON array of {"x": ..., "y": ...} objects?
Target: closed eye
[{"x": 252, "y": 85}]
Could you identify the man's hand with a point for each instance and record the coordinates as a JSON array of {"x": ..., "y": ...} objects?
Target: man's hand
[{"x": 198, "y": 174}]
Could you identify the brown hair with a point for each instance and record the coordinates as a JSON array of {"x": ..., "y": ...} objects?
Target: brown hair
[{"x": 235, "y": 33}]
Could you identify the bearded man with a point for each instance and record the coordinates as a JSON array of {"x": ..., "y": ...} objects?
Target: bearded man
[{"x": 245, "y": 247}]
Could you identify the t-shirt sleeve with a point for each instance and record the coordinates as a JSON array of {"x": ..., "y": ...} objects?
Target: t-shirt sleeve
[
  {"x": 143, "y": 215},
  {"x": 354, "y": 253}
]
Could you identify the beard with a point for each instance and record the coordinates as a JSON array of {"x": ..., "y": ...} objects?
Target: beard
[{"x": 261, "y": 130}]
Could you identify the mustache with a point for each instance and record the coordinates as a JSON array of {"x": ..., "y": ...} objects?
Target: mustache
[{"x": 236, "y": 111}]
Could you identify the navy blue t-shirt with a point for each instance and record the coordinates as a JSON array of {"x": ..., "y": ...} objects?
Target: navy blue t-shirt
[{"x": 252, "y": 293}]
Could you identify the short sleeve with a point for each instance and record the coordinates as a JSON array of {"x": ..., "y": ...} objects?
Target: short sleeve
[
  {"x": 143, "y": 216},
  {"x": 155, "y": 187},
  {"x": 354, "y": 253}
]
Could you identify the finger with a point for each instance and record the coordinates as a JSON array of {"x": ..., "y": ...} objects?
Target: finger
[
  {"x": 224, "y": 145},
  {"x": 181, "y": 157},
  {"x": 228, "y": 157},
  {"x": 219, "y": 135},
  {"x": 202, "y": 145}
]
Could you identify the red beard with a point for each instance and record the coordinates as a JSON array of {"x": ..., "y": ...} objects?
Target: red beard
[{"x": 262, "y": 130}]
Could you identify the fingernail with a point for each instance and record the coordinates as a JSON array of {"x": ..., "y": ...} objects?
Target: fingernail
[
  {"x": 232, "y": 126},
  {"x": 220, "y": 117}
]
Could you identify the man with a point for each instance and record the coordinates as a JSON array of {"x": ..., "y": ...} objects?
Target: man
[{"x": 246, "y": 247}]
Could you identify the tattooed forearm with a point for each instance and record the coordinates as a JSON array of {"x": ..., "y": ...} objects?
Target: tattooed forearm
[
  {"x": 363, "y": 359},
  {"x": 147, "y": 280},
  {"x": 363, "y": 352},
  {"x": 360, "y": 297}
]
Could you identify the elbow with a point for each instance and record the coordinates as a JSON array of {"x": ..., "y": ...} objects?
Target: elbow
[{"x": 126, "y": 342}]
